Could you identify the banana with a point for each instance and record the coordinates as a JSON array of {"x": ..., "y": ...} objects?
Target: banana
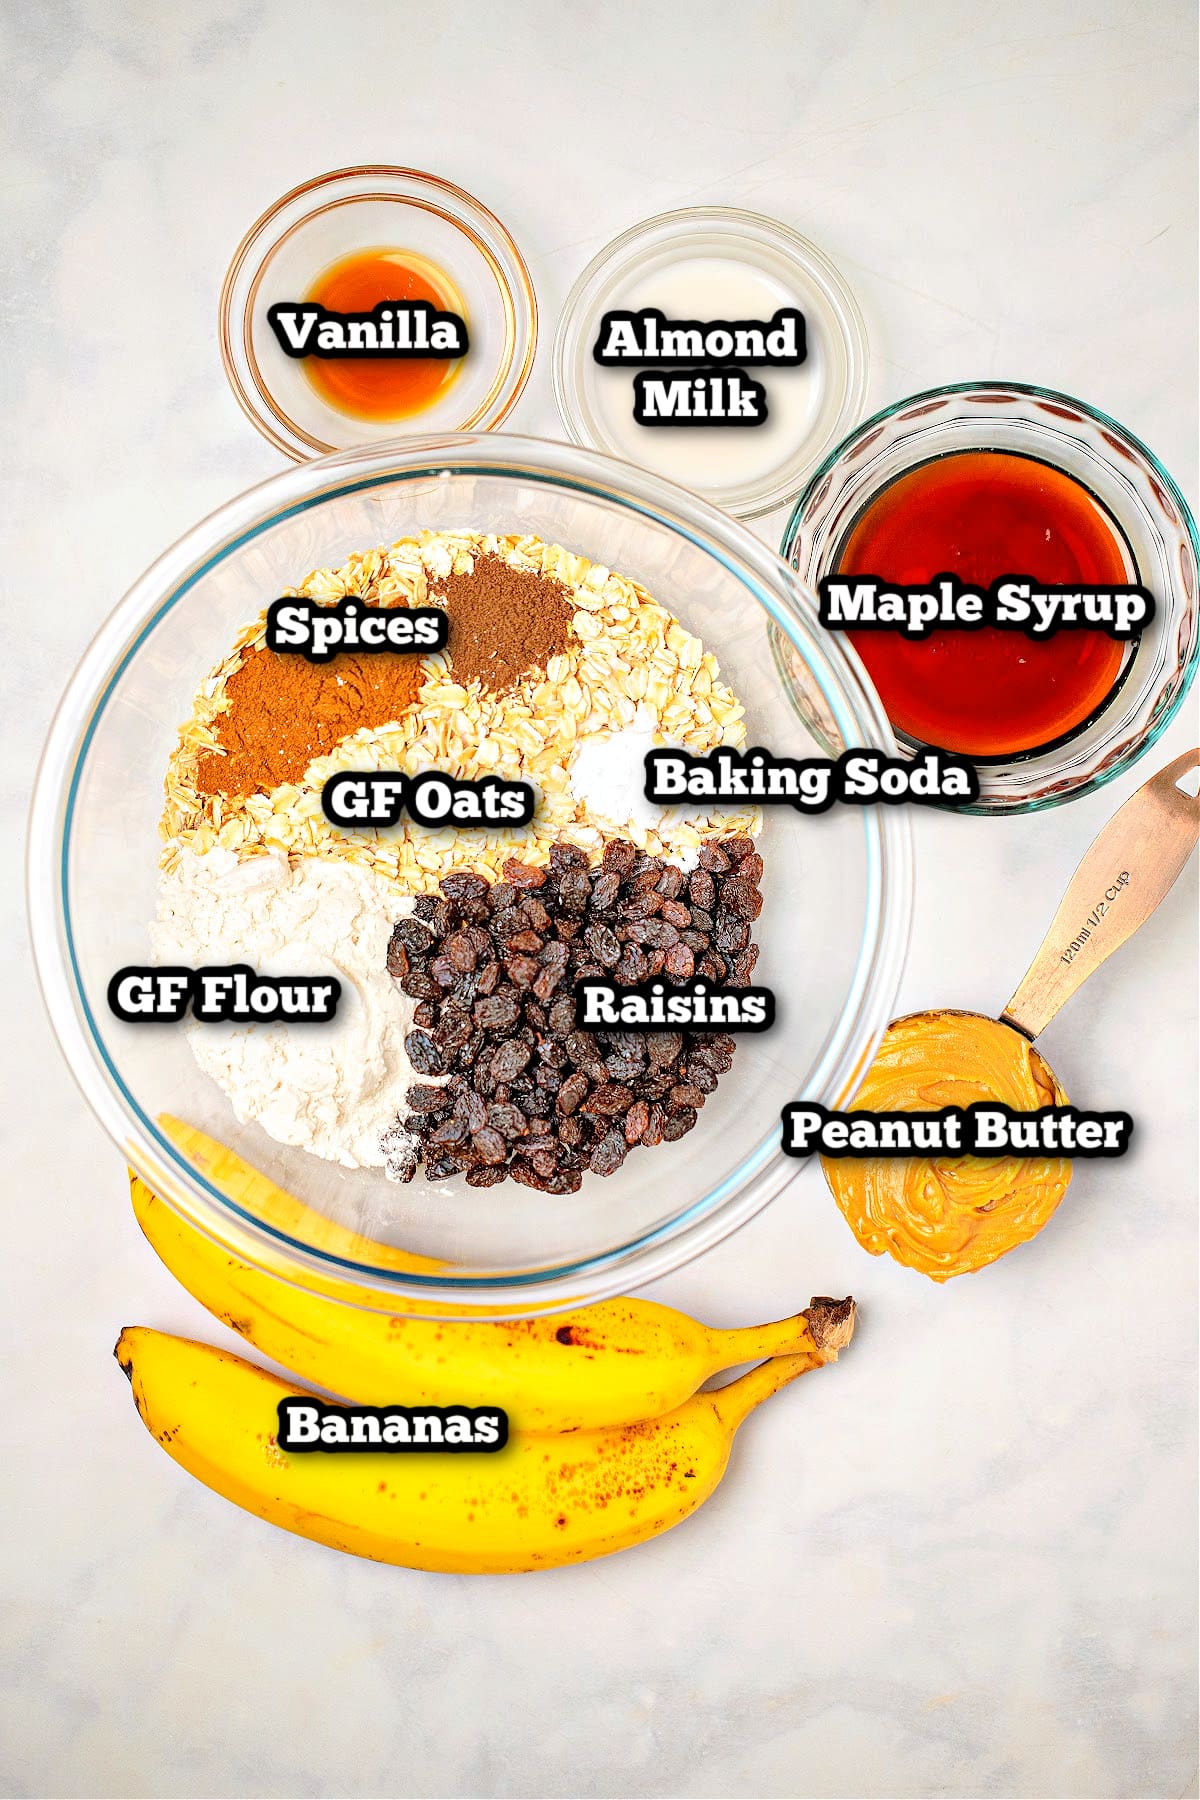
[
  {"x": 544, "y": 1500},
  {"x": 608, "y": 1364}
]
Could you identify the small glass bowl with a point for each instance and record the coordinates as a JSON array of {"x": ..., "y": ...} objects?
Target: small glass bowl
[
  {"x": 1128, "y": 481},
  {"x": 330, "y": 217},
  {"x": 824, "y": 396}
]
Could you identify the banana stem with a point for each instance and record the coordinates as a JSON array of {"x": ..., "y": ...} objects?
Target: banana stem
[{"x": 830, "y": 1326}]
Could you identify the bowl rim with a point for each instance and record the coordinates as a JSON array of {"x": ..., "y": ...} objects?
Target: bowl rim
[
  {"x": 852, "y": 1036},
  {"x": 1107, "y": 424},
  {"x": 466, "y": 212}
]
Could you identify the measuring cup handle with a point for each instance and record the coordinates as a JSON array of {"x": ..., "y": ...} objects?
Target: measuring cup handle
[{"x": 1131, "y": 867}]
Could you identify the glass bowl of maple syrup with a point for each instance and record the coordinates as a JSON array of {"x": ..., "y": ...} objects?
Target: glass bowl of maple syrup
[
  {"x": 353, "y": 240},
  {"x": 991, "y": 479}
]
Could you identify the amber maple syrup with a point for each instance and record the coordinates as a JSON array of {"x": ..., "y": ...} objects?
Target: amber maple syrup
[
  {"x": 382, "y": 387},
  {"x": 981, "y": 515}
]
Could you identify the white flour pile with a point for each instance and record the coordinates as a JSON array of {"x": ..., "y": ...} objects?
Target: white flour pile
[{"x": 332, "y": 1089}]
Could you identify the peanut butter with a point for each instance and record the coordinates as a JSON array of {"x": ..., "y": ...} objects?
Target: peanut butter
[{"x": 950, "y": 1216}]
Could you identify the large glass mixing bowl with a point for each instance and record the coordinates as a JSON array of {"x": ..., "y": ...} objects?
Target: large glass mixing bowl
[{"x": 833, "y": 930}]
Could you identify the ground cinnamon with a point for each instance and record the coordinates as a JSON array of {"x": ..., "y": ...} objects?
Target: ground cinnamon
[{"x": 284, "y": 710}]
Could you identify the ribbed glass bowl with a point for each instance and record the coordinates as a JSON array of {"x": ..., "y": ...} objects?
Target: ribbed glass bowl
[
  {"x": 1123, "y": 475},
  {"x": 833, "y": 930}
]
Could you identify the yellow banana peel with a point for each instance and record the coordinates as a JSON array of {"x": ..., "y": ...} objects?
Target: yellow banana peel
[
  {"x": 613, "y": 1363},
  {"x": 546, "y": 1499}
]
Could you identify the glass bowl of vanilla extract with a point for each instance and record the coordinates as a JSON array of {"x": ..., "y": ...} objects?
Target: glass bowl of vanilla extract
[
  {"x": 984, "y": 481},
  {"x": 368, "y": 245}
]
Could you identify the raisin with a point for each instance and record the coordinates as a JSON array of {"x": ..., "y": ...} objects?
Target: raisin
[
  {"x": 443, "y": 971},
  {"x": 523, "y": 970},
  {"x": 742, "y": 898},
  {"x": 419, "y": 985},
  {"x": 398, "y": 963},
  {"x": 632, "y": 967},
  {"x": 702, "y": 889},
  {"x": 497, "y": 1012},
  {"x": 490, "y": 1146},
  {"x": 678, "y": 1124},
  {"x": 462, "y": 885},
  {"x": 450, "y": 1131},
  {"x": 603, "y": 945},
  {"x": 454, "y": 1029},
  {"x": 643, "y": 907},
  {"x": 743, "y": 966},
  {"x": 537, "y": 915},
  {"x": 416, "y": 938},
  {"x": 571, "y": 1093},
  {"x": 510, "y": 1059},
  {"x": 679, "y": 962},
  {"x": 619, "y": 858},
  {"x": 710, "y": 858},
  {"x": 609, "y": 1100},
  {"x": 427, "y": 1099},
  {"x": 461, "y": 951},
  {"x": 562, "y": 1016},
  {"x": 423, "y": 1053},
  {"x": 664, "y": 1047},
  {"x": 605, "y": 889},
  {"x": 636, "y": 1121},
  {"x": 487, "y": 979},
  {"x": 506, "y": 924},
  {"x": 574, "y": 891},
  {"x": 472, "y": 1109},
  {"x": 486, "y": 1175},
  {"x": 523, "y": 875},
  {"x": 653, "y": 1134},
  {"x": 623, "y": 1067},
  {"x": 441, "y": 1167},
  {"x": 655, "y": 933},
  {"x": 507, "y": 1119},
  {"x": 685, "y": 1094},
  {"x": 608, "y": 1155}
]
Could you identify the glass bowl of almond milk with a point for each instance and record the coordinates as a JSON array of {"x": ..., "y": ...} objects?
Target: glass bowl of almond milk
[{"x": 724, "y": 289}]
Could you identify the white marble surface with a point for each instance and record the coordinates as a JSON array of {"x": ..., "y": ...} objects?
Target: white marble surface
[{"x": 964, "y": 1563}]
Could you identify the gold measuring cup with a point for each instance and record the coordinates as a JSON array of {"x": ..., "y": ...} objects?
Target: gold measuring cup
[{"x": 947, "y": 1216}]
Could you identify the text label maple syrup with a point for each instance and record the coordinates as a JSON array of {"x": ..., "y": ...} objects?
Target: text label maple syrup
[{"x": 979, "y": 515}]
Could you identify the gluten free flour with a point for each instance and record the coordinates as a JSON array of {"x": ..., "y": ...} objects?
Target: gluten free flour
[{"x": 332, "y": 1089}]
